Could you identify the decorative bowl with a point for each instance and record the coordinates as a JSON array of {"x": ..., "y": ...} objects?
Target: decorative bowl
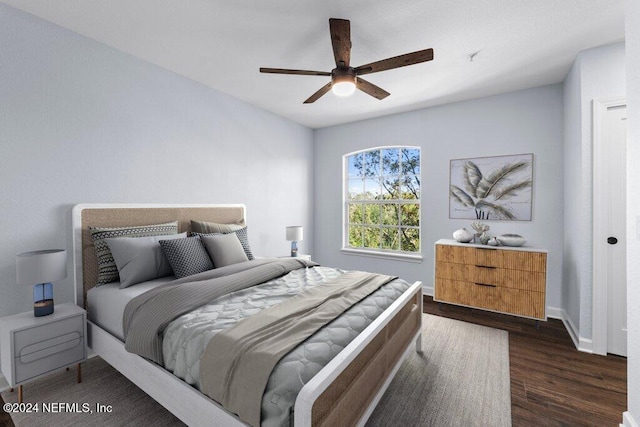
[{"x": 511, "y": 240}]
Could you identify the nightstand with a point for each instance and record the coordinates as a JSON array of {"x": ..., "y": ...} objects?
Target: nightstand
[{"x": 33, "y": 346}]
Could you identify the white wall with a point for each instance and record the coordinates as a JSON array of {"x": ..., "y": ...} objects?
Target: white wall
[
  {"x": 596, "y": 74},
  {"x": 528, "y": 121},
  {"x": 632, "y": 24},
  {"x": 573, "y": 266},
  {"x": 81, "y": 122}
]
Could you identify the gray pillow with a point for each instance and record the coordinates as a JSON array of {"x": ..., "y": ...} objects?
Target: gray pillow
[
  {"x": 242, "y": 236},
  {"x": 107, "y": 269},
  {"x": 140, "y": 258},
  {"x": 187, "y": 256},
  {"x": 213, "y": 227},
  {"x": 224, "y": 249}
]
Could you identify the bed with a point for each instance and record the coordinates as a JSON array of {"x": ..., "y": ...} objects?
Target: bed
[{"x": 343, "y": 392}]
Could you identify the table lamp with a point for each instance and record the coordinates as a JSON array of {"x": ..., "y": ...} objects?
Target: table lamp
[
  {"x": 40, "y": 268},
  {"x": 294, "y": 235}
]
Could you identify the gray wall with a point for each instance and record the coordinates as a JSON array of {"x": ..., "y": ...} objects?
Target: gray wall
[
  {"x": 83, "y": 123},
  {"x": 596, "y": 74},
  {"x": 529, "y": 121},
  {"x": 632, "y": 8}
]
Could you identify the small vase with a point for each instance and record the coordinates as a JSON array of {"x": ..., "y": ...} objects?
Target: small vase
[
  {"x": 463, "y": 235},
  {"x": 484, "y": 238}
]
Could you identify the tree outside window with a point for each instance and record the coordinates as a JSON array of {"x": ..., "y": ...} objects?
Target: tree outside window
[{"x": 383, "y": 199}]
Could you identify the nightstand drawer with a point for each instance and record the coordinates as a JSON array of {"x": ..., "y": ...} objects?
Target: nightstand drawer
[
  {"x": 50, "y": 358},
  {"x": 28, "y": 339},
  {"x": 33, "y": 352}
]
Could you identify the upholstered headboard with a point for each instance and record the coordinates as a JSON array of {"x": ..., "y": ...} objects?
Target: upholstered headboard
[{"x": 119, "y": 215}]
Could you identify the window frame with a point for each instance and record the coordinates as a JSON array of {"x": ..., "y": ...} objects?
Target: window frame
[{"x": 379, "y": 252}]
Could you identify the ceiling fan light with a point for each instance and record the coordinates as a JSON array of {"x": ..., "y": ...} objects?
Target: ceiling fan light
[{"x": 343, "y": 88}]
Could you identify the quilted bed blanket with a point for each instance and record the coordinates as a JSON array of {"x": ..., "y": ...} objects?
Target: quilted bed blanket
[{"x": 182, "y": 341}]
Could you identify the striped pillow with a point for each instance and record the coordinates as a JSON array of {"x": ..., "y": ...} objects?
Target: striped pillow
[{"x": 107, "y": 270}]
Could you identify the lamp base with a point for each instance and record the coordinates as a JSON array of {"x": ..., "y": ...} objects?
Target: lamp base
[
  {"x": 294, "y": 249},
  {"x": 42, "y": 299},
  {"x": 43, "y": 308}
]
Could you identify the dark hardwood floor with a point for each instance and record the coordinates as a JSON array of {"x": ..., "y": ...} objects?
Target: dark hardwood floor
[{"x": 552, "y": 383}]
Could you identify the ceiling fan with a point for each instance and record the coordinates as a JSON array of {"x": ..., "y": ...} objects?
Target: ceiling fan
[{"x": 344, "y": 78}]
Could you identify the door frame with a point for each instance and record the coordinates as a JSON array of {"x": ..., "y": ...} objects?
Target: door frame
[{"x": 599, "y": 280}]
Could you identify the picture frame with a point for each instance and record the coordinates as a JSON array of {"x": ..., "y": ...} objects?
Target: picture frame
[{"x": 497, "y": 188}]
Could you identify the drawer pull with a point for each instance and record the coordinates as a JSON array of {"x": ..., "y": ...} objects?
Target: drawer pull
[
  {"x": 485, "y": 266},
  {"x": 485, "y": 284},
  {"x": 490, "y": 248}
]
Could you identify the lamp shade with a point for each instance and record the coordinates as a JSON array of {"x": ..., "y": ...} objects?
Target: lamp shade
[
  {"x": 41, "y": 266},
  {"x": 294, "y": 233}
]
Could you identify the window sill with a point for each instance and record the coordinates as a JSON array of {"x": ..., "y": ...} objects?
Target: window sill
[{"x": 387, "y": 255}]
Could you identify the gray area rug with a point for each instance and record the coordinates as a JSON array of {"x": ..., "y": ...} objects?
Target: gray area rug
[{"x": 462, "y": 378}]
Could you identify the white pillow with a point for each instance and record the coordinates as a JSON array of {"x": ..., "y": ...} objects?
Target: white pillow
[{"x": 140, "y": 258}]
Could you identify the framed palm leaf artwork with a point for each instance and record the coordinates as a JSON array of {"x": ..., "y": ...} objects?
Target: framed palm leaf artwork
[{"x": 491, "y": 188}]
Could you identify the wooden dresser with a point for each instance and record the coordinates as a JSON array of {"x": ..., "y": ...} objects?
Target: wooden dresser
[{"x": 509, "y": 280}]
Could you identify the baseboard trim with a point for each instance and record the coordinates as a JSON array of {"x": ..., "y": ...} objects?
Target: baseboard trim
[
  {"x": 581, "y": 343},
  {"x": 628, "y": 421},
  {"x": 426, "y": 290}
]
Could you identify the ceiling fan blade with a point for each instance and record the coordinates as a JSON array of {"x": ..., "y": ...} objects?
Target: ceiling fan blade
[
  {"x": 396, "y": 62},
  {"x": 371, "y": 89},
  {"x": 313, "y": 98},
  {"x": 299, "y": 72},
  {"x": 341, "y": 41}
]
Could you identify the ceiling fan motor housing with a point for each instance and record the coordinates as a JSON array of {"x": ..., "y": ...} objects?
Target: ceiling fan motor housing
[{"x": 343, "y": 75}]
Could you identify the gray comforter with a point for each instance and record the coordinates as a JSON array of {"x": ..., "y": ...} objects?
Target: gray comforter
[
  {"x": 185, "y": 338},
  {"x": 147, "y": 315},
  {"x": 238, "y": 361}
]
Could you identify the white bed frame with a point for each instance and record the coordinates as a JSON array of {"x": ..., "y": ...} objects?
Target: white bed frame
[{"x": 193, "y": 407}]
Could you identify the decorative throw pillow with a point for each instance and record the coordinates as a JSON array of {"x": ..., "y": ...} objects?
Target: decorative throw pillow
[
  {"x": 141, "y": 258},
  {"x": 107, "y": 269},
  {"x": 224, "y": 249},
  {"x": 204, "y": 227},
  {"x": 187, "y": 256},
  {"x": 242, "y": 236}
]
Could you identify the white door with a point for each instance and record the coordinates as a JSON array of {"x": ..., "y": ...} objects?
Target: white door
[{"x": 614, "y": 168}]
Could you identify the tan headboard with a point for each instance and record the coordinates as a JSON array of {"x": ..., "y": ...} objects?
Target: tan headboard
[{"x": 119, "y": 215}]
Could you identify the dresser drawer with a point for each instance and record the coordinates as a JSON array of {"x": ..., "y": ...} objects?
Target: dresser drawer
[
  {"x": 453, "y": 291},
  {"x": 495, "y": 298},
  {"x": 516, "y": 279},
  {"x": 488, "y": 256},
  {"x": 521, "y": 303},
  {"x": 27, "y": 340},
  {"x": 525, "y": 261},
  {"x": 467, "y": 293}
]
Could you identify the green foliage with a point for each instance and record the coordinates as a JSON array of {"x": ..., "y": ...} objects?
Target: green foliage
[{"x": 384, "y": 199}]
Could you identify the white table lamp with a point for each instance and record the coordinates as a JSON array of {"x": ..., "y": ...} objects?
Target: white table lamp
[
  {"x": 40, "y": 268},
  {"x": 294, "y": 235}
]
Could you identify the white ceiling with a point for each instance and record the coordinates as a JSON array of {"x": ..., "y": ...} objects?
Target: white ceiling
[{"x": 221, "y": 44}]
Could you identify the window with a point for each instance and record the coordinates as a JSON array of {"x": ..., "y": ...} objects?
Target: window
[{"x": 382, "y": 200}]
